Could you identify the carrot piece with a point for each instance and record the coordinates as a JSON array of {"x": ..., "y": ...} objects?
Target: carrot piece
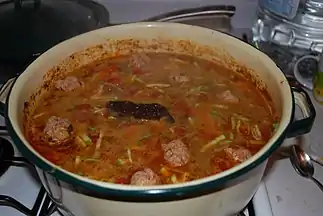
[{"x": 165, "y": 172}]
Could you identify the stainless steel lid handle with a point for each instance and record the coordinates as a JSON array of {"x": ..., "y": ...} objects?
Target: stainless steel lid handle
[{"x": 207, "y": 11}]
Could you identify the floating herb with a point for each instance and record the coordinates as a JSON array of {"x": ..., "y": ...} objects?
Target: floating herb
[
  {"x": 121, "y": 161},
  {"x": 134, "y": 78},
  {"x": 145, "y": 137},
  {"x": 91, "y": 128},
  {"x": 214, "y": 113},
  {"x": 213, "y": 142},
  {"x": 87, "y": 140},
  {"x": 231, "y": 136},
  {"x": 91, "y": 159}
]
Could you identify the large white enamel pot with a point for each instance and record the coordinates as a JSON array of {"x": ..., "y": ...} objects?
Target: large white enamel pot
[{"x": 224, "y": 194}]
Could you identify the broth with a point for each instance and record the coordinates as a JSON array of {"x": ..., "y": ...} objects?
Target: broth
[{"x": 151, "y": 118}]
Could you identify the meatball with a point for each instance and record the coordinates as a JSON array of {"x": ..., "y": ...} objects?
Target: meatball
[
  {"x": 228, "y": 97},
  {"x": 176, "y": 153},
  {"x": 68, "y": 84},
  {"x": 238, "y": 154},
  {"x": 58, "y": 130},
  {"x": 145, "y": 177}
]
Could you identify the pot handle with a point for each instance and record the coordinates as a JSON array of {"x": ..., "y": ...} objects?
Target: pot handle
[
  {"x": 304, "y": 125},
  {"x": 4, "y": 92}
]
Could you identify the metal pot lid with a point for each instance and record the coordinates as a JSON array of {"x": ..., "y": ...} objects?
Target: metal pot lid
[{"x": 30, "y": 27}]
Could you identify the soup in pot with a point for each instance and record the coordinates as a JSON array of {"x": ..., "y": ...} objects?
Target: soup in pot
[{"x": 151, "y": 118}]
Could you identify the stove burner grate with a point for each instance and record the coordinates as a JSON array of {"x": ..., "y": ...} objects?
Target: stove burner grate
[
  {"x": 7, "y": 157},
  {"x": 6, "y": 154}
]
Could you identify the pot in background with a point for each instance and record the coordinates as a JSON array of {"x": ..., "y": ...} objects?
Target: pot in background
[{"x": 224, "y": 194}]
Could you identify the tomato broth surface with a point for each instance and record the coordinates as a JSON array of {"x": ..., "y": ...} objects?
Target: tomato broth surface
[{"x": 151, "y": 118}]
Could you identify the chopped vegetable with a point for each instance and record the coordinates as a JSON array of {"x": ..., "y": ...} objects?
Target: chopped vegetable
[
  {"x": 275, "y": 126},
  {"x": 238, "y": 126},
  {"x": 255, "y": 132},
  {"x": 177, "y": 60},
  {"x": 99, "y": 142},
  {"x": 231, "y": 136},
  {"x": 221, "y": 106},
  {"x": 214, "y": 113},
  {"x": 87, "y": 139},
  {"x": 226, "y": 142},
  {"x": 173, "y": 178},
  {"x": 134, "y": 78},
  {"x": 103, "y": 98},
  {"x": 80, "y": 141},
  {"x": 158, "y": 85},
  {"x": 240, "y": 117},
  {"x": 213, "y": 142},
  {"x": 121, "y": 161},
  {"x": 165, "y": 172},
  {"x": 91, "y": 128},
  {"x": 197, "y": 90},
  {"x": 100, "y": 111},
  {"x": 190, "y": 120},
  {"x": 39, "y": 115},
  {"x": 81, "y": 173},
  {"x": 159, "y": 90},
  {"x": 77, "y": 160},
  {"x": 91, "y": 159},
  {"x": 145, "y": 137},
  {"x": 185, "y": 177},
  {"x": 129, "y": 155},
  {"x": 115, "y": 86}
]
